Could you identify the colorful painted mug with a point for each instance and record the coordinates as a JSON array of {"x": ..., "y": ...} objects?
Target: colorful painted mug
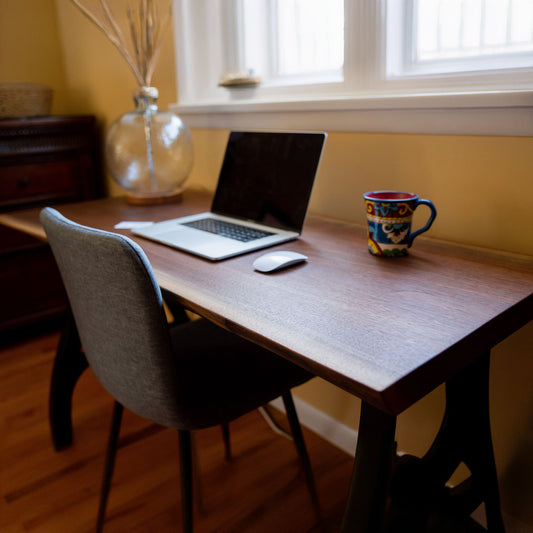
[{"x": 389, "y": 215}]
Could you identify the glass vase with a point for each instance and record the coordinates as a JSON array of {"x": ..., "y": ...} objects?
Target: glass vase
[{"x": 149, "y": 152}]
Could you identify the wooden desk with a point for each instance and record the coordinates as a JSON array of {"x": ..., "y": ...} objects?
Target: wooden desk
[{"x": 386, "y": 330}]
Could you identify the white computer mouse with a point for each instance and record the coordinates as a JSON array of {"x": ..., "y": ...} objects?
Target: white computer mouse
[{"x": 272, "y": 261}]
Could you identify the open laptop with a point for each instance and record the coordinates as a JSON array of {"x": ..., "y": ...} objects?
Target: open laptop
[{"x": 261, "y": 199}]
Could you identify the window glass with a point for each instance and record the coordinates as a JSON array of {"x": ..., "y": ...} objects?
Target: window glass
[
  {"x": 467, "y": 28},
  {"x": 292, "y": 38},
  {"x": 310, "y": 36}
]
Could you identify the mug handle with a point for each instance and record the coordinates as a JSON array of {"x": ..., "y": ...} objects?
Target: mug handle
[{"x": 429, "y": 222}]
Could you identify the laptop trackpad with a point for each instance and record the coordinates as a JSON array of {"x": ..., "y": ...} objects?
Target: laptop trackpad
[{"x": 197, "y": 241}]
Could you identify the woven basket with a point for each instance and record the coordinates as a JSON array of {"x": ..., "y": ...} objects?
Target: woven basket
[{"x": 24, "y": 99}]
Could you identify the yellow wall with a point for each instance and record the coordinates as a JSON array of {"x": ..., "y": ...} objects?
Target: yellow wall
[
  {"x": 30, "y": 47},
  {"x": 482, "y": 187},
  {"x": 99, "y": 79}
]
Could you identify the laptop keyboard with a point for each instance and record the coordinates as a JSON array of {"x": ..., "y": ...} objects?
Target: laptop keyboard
[{"x": 228, "y": 229}]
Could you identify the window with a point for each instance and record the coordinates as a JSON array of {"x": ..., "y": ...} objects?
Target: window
[
  {"x": 289, "y": 45},
  {"x": 293, "y": 41},
  {"x": 455, "y": 36},
  {"x": 463, "y": 29},
  {"x": 339, "y": 55}
]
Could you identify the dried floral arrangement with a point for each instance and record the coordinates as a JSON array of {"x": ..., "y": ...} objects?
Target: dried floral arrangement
[{"x": 142, "y": 21}]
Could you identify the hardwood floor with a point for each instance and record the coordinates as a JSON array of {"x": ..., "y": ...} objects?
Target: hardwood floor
[{"x": 261, "y": 490}]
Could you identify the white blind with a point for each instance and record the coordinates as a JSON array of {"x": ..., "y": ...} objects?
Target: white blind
[
  {"x": 290, "y": 38},
  {"x": 310, "y": 36},
  {"x": 447, "y": 29}
]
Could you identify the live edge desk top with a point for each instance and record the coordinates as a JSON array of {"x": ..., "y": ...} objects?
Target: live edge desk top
[{"x": 386, "y": 330}]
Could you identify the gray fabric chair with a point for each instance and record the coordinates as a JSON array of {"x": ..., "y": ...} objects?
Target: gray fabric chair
[{"x": 191, "y": 376}]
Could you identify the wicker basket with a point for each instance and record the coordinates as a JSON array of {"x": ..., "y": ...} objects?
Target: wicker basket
[{"x": 24, "y": 99}]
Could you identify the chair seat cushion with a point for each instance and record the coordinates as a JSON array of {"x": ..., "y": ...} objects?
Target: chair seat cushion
[{"x": 223, "y": 376}]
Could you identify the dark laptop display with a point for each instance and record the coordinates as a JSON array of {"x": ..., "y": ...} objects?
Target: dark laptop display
[{"x": 268, "y": 177}]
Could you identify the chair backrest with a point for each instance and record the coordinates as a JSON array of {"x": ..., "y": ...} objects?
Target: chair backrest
[{"x": 118, "y": 310}]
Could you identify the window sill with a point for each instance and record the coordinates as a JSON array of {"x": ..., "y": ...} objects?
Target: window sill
[{"x": 490, "y": 113}]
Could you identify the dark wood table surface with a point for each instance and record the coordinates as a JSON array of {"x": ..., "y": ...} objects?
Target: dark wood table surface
[{"x": 388, "y": 330}]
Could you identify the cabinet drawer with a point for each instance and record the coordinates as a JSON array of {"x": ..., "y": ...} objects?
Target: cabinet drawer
[
  {"x": 38, "y": 182},
  {"x": 30, "y": 288}
]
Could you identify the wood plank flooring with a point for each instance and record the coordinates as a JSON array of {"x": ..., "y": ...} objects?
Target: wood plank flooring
[{"x": 261, "y": 490}]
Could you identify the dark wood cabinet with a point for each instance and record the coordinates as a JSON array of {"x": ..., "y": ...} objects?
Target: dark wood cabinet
[{"x": 43, "y": 161}]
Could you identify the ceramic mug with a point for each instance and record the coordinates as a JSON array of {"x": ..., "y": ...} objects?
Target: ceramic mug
[{"x": 389, "y": 215}]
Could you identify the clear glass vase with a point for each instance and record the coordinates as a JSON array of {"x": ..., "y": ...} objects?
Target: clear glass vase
[{"x": 149, "y": 152}]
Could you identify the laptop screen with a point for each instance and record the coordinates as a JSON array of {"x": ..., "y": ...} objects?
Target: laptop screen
[{"x": 268, "y": 177}]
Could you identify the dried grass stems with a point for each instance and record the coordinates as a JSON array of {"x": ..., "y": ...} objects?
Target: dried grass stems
[{"x": 146, "y": 30}]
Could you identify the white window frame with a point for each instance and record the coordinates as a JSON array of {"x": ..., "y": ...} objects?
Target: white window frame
[{"x": 376, "y": 99}]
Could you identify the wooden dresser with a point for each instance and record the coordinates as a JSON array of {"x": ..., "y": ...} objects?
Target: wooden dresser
[{"x": 43, "y": 161}]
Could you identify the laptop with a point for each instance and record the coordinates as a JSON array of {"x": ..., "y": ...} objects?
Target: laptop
[{"x": 261, "y": 198}]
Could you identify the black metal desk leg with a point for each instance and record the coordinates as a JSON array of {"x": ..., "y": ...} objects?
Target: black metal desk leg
[
  {"x": 374, "y": 457},
  {"x": 419, "y": 485},
  {"x": 69, "y": 364},
  {"x": 465, "y": 436}
]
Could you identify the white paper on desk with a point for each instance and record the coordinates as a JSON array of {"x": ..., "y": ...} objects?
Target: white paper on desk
[{"x": 131, "y": 224}]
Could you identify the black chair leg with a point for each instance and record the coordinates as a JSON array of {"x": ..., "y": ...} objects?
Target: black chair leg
[
  {"x": 185, "y": 447},
  {"x": 197, "y": 478},
  {"x": 69, "y": 365},
  {"x": 299, "y": 442},
  {"x": 109, "y": 464}
]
